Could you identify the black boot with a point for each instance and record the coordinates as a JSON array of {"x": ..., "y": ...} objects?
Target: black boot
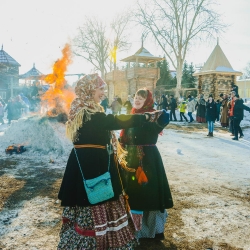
[{"x": 211, "y": 134}]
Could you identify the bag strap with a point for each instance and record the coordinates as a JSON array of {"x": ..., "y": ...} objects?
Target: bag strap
[{"x": 80, "y": 164}]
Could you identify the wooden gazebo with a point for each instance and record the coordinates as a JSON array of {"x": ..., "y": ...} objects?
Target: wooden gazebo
[{"x": 32, "y": 74}]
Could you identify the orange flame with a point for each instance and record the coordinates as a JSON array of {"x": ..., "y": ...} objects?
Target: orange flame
[{"x": 57, "y": 97}]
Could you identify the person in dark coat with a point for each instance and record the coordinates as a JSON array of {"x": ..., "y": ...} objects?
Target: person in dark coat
[
  {"x": 235, "y": 88},
  {"x": 164, "y": 102},
  {"x": 211, "y": 114},
  {"x": 201, "y": 109},
  {"x": 152, "y": 196},
  {"x": 173, "y": 107},
  {"x": 104, "y": 225},
  {"x": 238, "y": 113},
  {"x": 218, "y": 105}
]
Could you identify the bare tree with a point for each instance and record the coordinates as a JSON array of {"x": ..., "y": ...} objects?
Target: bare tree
[
  {"x": 92, "y": 45},
  {"x": 98, "y": 42},
  {"x": 175, "y": 24}
]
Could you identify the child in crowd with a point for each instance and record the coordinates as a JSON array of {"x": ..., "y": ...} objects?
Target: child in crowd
[{"x": 183, "y": 107}]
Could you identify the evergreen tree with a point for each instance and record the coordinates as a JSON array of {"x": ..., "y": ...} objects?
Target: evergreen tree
[
  {"x": 185, "y": 75},
  {"x": 192, "y": 79},
  {"x": 173, "y": 83},
  {"x": 188, "y": 80},
  {"x": 165, "y": 76}
]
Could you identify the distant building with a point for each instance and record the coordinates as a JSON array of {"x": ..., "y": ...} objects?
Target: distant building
[
  {"x": 141, "y": 71},
  {"x": 244, "y": 88},
  {"x": 32, "y": 75},
  {"x": 217, "y": 75},
  {"x": 9, "y": 75},
  {"x": 32, "y": 82}
]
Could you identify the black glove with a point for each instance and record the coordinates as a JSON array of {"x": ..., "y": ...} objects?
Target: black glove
[{"x": 163, "y": 119}]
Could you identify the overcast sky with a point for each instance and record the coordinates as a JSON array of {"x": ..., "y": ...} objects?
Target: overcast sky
[{"x": 34, "y": 31}]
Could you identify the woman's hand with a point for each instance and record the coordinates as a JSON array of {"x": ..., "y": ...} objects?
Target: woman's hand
[{"x": 152, "y": 116}]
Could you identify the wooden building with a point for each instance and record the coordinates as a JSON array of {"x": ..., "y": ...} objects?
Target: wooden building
[
  {"x": 9, "y": 75},
  {"x": 217, "y": 75},
  {"x": 143, "y": 73}
]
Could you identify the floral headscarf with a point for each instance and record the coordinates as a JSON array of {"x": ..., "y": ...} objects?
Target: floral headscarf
[{"x": 84, "y": 105}]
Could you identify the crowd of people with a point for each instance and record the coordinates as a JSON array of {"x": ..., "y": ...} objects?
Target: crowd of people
[
  {"x": 228, "y": 110},
  {"x": 207, "y": 111},
  {"x": 21, "y": 104},
  {"x": 17, "y": 106},
  {"x": 117, "y": 105}
]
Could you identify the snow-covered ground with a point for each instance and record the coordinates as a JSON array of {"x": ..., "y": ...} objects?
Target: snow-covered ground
[{"x": 209, "y": 178}]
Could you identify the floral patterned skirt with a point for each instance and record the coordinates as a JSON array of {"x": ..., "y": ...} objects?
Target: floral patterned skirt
[{"x": 109, "y": 222}]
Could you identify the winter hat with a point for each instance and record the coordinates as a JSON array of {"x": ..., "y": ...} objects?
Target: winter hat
[
  {"x": 221, "y": 95},
  {"x": 210, "y": 95},
  {"x": 237, "y": 96},
  {"x": 189, "y": 96}
]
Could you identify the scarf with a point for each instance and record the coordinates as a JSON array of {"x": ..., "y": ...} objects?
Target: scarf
[{"x": 84, "y": 105}]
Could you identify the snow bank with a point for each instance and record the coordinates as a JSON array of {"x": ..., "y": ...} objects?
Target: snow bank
[{"x": 40, "y": 135}]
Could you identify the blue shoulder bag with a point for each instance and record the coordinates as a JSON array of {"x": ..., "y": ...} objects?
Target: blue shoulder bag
[{"x": 100, "y": 188}]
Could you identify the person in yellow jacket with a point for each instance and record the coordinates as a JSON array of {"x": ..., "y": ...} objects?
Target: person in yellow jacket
[{"x": 183, "y": 107}]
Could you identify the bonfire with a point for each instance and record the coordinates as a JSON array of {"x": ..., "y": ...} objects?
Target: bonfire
[{"x": 57, "y": 99}]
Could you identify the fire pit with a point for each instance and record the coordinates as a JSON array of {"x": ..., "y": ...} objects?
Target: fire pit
[{"x": 18, "y": 149}]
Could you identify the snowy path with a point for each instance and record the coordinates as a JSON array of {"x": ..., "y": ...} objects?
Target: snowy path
[
  {"x": 219, "y": 153},
  {"x": 212, "y": 176}
]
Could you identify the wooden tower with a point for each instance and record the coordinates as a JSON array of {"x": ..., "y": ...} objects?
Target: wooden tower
[{"x": 141, "y": 71}]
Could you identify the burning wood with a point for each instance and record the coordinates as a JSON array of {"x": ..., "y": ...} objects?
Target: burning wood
[{"x": 18, "y": 149}]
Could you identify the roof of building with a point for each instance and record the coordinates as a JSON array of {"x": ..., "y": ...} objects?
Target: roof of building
[
  {"x": 142, "y": 56},
  {"x": 6, "y": 59},
  {"x": 31, "y": 74},
  {"x": 217, "y": 63}
]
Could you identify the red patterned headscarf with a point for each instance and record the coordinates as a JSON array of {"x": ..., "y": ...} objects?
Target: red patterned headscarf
[{"x": 147, "y": 106}]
